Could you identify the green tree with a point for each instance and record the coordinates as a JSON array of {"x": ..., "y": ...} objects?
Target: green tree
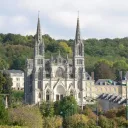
[
  {"x": 3, "y": 113},
  {"x": 106, "y": 123},
  {"x": 28, "y": 116},
  {"x": 103, "y": 71},
  {"x": 2, "y": 82},
  {"x": 65, "y": 47},
  {"x": 52, "y": 122},
  {"x": 120, "y": 65},
  {"x": 47, "y": 109},
  {"x": 3, "y": 64},
  {"x": 76, "y": 121},
  {"x": 7, "y": 87},
  {"x": 68, "y": 106}
]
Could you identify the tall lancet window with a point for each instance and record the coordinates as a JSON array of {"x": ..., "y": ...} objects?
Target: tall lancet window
[
  {"x": 39, "y": 78},
  {"x": 47, "y": 95},
  {"x": 41, "y": 49},
  {"x": 72, "y": 93},
  {"x": 39, "y": 74},
  {"x": 80, "y": 49}
]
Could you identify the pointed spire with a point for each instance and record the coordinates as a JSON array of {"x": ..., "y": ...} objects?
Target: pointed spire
[
  {"x": 77, "y": 30},
  {"x": 38, "y": 33},
  {"x": 67, "y": 57},
  {"x": 59, "y": 53},
  {"x": 51, "y": 58}
]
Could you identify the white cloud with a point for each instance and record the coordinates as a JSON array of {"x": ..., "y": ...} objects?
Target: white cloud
[
  {"x": 2, "y": 21},
  {"x": 98, "y": 18},
  {"x": 18, "y": 20}
]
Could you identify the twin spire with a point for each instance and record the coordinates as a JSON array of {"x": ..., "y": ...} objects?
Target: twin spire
[
  {"x": 38, "y": 33},
  {"x": 77, "y": 36}
]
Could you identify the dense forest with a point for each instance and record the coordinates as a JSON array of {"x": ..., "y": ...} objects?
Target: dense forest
[{"x": 108, "y": 55}]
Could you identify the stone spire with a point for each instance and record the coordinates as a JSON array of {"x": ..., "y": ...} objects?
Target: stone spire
[
  {"x": 38, "y": 33},
  {"x": 51, "y": 59},
  {"x": 77, "y": 37},
  {"x": 67, "y": 57},
  {"x": 59, "y": 54}
]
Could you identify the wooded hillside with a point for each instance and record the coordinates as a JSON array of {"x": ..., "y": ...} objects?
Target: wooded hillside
[{"x": 110, "y": 53}]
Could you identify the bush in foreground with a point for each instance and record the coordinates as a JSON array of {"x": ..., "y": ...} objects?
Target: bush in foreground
[
  {"x": 5, "y": 126},
  {"x": 26, "y": 116},
  {"x": 75, "y": 121},
  {"x": 3, "y": 113},
  {"x": 52, "y": 122}
]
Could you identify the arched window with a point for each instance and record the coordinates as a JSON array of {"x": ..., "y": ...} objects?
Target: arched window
[
  {"x": 60, "y": 92},
  {"x": 79, "y": 49},
  {"x": 47, "y": 95},
  {"x": 41, "y": 49},
  {"x": 39, "y": 74},
  {"x": 39, "y": 78},
  {"x": 71, "y": 93},
  {"x": 39, "y": 84}
]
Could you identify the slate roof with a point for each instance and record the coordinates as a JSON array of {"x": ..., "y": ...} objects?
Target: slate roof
[{"x": 113, "y": 98}]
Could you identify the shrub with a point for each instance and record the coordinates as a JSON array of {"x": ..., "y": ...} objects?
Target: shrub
[
  {"x": 5, "y": 126},
  {"x": 88, "y": 112},
  {"x": 75, "y": 121},
  {"x": 47, "y": 109},
  {"x": 3, "y": 113},
  {"x": 106, "y": 123},
  {"x": 52, "y": 122},
  {"x": 26, "y": 116}
]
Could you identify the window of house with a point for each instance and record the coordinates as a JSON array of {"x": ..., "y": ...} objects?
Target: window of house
[
  {"x": 18, "y": 79},
  {"x": 18, "y": 84}
]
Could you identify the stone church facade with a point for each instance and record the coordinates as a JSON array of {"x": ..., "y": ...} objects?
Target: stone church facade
[{"x": 52, "y": 79}]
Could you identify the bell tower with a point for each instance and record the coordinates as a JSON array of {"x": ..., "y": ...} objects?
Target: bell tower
[
  {"x": 38, "y": 65},
  {"x": 78, "y": 54}
]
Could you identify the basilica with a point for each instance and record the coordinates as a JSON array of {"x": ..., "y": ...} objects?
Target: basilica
[{"x": 52, "y": 79}]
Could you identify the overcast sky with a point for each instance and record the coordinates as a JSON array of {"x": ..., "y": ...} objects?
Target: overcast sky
[{"x": 98, "y": 18}]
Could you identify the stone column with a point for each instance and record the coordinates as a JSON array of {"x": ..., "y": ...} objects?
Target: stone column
[{"x": 6, "y": 102}]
